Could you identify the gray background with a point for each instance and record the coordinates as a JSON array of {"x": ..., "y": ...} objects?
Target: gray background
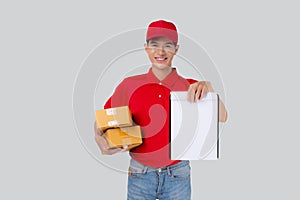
[{"x": 255, "y": 45}]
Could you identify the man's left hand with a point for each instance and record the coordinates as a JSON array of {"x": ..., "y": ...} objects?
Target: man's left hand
[{"x": 198, "y": 90}]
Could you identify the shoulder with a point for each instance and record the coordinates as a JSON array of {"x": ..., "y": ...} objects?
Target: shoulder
[
  {"x": 137, "y": 77},
  {"x": 131, "y": 82},
  {"x": 134, "y": 79},
  {"x": 189, "y": 80}
]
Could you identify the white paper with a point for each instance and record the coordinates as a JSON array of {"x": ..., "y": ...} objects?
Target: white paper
[{"x": 194, "y": 127}]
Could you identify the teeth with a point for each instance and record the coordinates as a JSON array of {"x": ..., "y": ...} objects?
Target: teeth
[{"x": 161, "y": 58}]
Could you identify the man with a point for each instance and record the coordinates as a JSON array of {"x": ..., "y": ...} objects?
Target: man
[{"x": 151, "y": 173}]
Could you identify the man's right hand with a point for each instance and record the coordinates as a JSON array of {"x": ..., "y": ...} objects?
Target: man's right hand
[{"x": 102, "y": 143}]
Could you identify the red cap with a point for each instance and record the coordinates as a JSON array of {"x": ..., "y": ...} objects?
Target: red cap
[{"x": 162, "y": 28}]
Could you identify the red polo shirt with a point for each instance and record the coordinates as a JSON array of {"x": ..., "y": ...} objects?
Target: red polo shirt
[{"x": 148, "y": 100}]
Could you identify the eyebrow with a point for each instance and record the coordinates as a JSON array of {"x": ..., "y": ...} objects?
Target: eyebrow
[
  {"x": 151, "y": 41},
  {"x": 155, "y": 42}
]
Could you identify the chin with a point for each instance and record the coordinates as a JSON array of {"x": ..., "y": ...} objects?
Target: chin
[{"x": 161, "y": 65}]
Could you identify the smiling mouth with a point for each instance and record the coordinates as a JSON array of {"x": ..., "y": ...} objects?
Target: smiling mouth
[{"x": 160, "y": 58}]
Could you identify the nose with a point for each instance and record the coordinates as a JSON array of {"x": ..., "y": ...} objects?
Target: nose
[{"x": 161, "y": 50}]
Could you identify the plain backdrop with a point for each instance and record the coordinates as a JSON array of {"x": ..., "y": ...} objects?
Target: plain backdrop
[{"x": 255, "y": 45}]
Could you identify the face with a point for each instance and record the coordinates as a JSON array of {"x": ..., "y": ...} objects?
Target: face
[{"x": 161, "y": 51}]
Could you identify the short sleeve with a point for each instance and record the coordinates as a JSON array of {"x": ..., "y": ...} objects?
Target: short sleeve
[
  {"x": 119, "y": 97},
  {"x": 191, "y": 81}
]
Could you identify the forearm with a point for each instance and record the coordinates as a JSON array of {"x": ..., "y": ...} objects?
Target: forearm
[
  {"x": 222, "y": 112},
  {"x": 222, "y": 109}
]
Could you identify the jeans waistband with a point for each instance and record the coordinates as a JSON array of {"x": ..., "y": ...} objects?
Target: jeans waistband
[{"x": 136, "y": 164}]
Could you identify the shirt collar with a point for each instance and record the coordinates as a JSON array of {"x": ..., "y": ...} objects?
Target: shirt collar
[{"x": 168, "y": 81}]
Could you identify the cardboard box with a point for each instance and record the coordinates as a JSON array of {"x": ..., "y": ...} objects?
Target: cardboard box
[
  {"x": 126, "y": 137},
  {"x": 113, "y": 117}
]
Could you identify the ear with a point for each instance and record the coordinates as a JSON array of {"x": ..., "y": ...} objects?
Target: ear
[
  {"x": 176, "y": 49},
  {"x": 146, "y": 47}
]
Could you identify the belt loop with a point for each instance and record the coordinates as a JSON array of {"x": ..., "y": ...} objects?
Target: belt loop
[
  {"x": 145, "y": 170},
  {"x": 169, "y": 171}
]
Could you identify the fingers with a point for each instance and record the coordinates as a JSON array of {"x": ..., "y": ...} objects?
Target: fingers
[
  {"x": 104, "y": 147},
  {"x": 209, "y": 87},
  {"x": 97, "y": 130},
  {"x": 101, "y": 141},
  {"x": 197, "y": 91},
  {"x": 112, "y": 151},
  {"x": 191, "y": 94},
  {"x": 108, "y": 151},
  {"x": 203, "y": 92}
]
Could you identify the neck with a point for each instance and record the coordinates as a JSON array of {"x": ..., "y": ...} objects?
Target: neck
[{"x": 161, "y": 73}]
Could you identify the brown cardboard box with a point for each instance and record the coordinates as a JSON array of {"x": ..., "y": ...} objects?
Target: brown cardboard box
[
  {"x": 126, "y": 137},
  {"x": 113, "y": 117}
]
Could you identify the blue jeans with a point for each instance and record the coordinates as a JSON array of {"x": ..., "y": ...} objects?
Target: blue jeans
[{"x": 168, "y": 183}]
